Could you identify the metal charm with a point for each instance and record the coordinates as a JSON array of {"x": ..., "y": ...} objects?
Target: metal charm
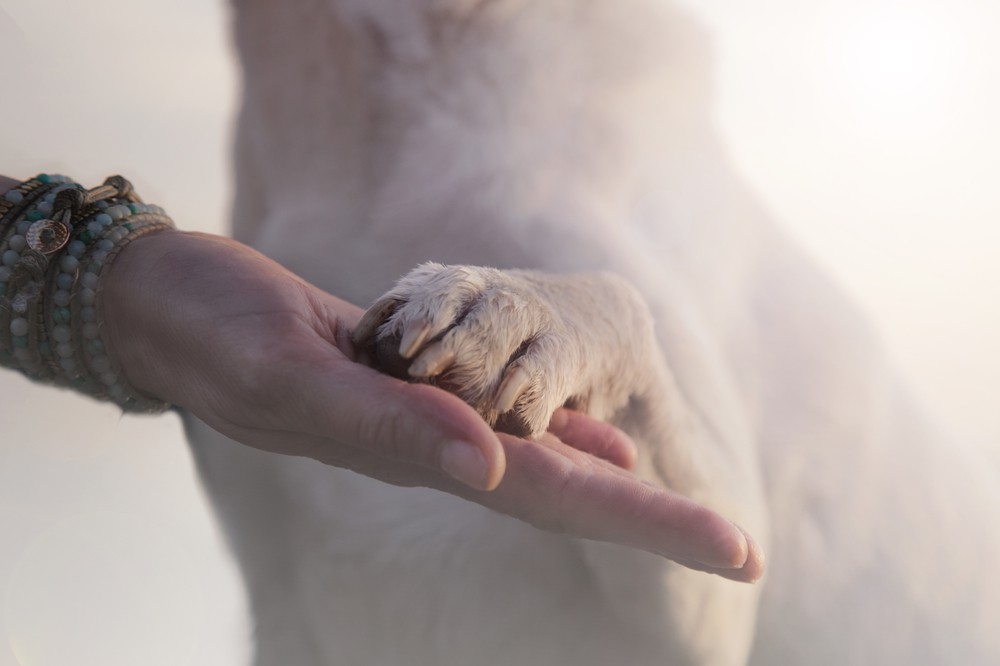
[{"x": 47, "y": 236}]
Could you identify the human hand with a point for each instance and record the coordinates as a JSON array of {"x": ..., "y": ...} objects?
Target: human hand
[{"x": 210, "y": 325}]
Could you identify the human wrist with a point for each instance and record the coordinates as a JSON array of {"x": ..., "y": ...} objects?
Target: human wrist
[{"x": 132, "y": 300}]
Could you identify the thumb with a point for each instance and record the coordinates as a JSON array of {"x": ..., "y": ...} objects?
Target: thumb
[{"x": 416, "y": 423}]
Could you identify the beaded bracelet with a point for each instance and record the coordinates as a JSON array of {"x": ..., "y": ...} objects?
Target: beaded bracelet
[{"x": 57, "y": 240}]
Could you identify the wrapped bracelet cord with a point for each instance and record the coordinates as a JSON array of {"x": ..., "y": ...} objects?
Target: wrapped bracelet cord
[{"x": 57, "y": 240}]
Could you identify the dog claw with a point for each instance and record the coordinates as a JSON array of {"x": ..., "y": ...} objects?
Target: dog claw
[
  {"x": 372, "y": 319},
  {"x": 510, "y": 390},
  {"x": 413, "y": 337},
  {"x": 433, "y": 361}
]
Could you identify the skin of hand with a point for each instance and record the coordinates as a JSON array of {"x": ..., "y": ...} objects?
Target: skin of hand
[{"x": 212, "y": 326}]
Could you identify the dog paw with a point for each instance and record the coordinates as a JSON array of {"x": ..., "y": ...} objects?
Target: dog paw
[{"x": 494, "y": 338}]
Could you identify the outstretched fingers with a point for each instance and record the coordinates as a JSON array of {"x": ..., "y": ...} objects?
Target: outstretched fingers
[
  {"x": 383, "y": 425},
  {"x": 558, "y": 488},
  {"x": 380, "y": 426}
]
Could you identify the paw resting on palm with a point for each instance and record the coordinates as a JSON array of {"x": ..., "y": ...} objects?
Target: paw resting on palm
[{"x": 491, "y": 337}]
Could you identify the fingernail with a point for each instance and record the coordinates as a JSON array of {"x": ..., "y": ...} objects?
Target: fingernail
[
  {"x": 742, "y": 549},
  {"x": 729, "y": 550},
  {"x": 463, "y": 462},
  {"x": 756, "y": 560}
]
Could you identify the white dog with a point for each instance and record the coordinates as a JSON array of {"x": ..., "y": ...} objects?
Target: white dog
[{"x": 565, "y": 138}]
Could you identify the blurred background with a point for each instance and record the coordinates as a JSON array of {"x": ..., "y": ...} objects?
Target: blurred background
[{"x": 868, "y": 126}]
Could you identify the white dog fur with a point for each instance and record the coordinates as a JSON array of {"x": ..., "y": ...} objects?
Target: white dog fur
[{"x": 570, "y": 136}]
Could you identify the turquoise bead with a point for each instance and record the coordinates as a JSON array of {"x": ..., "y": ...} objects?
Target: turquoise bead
[
  {"x": 44, "y": 177},
  {"x": 69, "y": 263},
  {"x": 44, "y": 348},
  {"x": 19, "y": 327},
  {"x": 62, "y": 298},
  {"x": 3, "y": 288},
  {"x": 34, "y": 216},
  {"x": 20, "y": 341},
  {"x": 61, "y": 315},
  {"x": 89, "y": 280}
]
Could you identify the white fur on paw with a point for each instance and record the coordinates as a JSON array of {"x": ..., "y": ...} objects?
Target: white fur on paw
[{"x": 489, "y": 336}]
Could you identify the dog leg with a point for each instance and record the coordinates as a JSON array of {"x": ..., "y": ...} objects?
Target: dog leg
[{"x": 516, "y": 345}]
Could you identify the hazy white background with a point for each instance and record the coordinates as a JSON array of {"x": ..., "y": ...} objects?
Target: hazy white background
[{"x": 869, "y": 127}]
